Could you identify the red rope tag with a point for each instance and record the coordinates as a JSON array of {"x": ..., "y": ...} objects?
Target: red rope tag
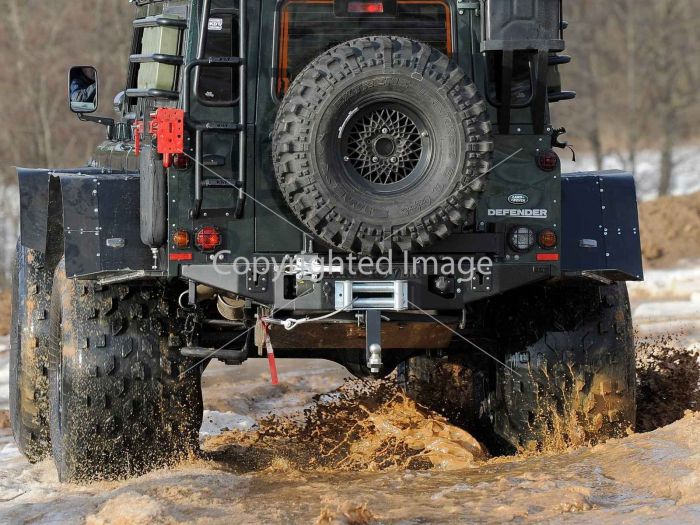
[{"x": 270, "y": 355}]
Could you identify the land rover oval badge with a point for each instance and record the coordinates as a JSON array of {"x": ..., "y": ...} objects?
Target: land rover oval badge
[{"x": 518, "y": 199}]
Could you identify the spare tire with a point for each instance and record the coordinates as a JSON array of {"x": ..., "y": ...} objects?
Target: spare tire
[{"x": 382, "y": 143}]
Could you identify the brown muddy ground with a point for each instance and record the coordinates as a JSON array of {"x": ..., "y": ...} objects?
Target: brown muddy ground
[{"x": 670, "y": 230}]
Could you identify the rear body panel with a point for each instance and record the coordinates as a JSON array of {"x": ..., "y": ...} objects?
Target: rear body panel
[{"x": 517, "y": 194}]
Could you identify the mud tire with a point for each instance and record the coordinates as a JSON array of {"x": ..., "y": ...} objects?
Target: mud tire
[
  {"x": 436, "y": 198},
  {"x": 118, "y": 404},
  {"x": 29, "y": 347},
  {"x": 572, "y": 376},
  {"x": 453, "y": 386}
]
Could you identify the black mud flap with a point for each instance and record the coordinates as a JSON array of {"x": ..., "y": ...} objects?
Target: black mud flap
[
  {"x": 96, "y": 214},
  {"x": 600, "y": 226}
]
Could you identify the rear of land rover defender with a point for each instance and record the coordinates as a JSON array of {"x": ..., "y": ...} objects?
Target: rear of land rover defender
[{"x": 374, "y": 182}]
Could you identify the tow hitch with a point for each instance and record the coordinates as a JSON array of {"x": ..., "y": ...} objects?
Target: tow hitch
[
  {"x": 373, "y": 326},
  {"x": 372, "y": 297}
]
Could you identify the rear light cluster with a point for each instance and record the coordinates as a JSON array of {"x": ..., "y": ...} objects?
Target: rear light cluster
[
  {"x": 206, "y": 239},
  {"x": 523, "y": 239}
]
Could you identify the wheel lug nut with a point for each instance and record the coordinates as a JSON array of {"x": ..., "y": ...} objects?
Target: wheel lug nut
[
  {"x": 346, "y": 159},
  {"x": 394, "y": 159},
  {"x": 375, "y": 159},
  {"x": 385, "y": 130}
]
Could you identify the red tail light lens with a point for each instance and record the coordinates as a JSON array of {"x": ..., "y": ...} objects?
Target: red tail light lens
[
  {"x": 366, "y": 7},
  {"x": 181, "y": 161},
  {"x": 547, "y": 239},
  {"x": 208, "y": 239},
  {"x": 547, "y": 160}
]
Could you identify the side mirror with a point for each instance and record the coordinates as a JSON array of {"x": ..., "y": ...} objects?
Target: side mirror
[{"x": 83, "y": 89}]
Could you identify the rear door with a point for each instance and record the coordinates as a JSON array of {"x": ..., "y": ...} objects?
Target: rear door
[{"x": 303, "y": 30}]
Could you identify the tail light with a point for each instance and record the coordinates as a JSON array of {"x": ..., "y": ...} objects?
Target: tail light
[
  {"x": 547, "y": 239},
  {"x": 207, "y": 239},
  {"x": 366, "y": 7},
  {"x": 547, "y": 160},
  {"x": 181, "y": 239},
  {"x": 181, "y": 161}
]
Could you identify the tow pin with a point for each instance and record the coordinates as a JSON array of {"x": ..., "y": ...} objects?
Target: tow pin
[{"x": 375, "y": 358}]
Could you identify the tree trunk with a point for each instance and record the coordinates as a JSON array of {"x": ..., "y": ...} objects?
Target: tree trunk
[{"x": 666, "y": 161}]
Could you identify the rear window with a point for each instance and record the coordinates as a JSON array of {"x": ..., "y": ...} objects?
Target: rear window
[{"x": 310, "y": 27}]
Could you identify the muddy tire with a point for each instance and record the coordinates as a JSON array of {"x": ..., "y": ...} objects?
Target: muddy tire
[
  {"x": 382, "y": 143},
  {"x": 119, "y": 406},
  {"x": 453, "y": 386},
  {"x": 29, "y": 340},
  {"x": 571, "y": 378}
]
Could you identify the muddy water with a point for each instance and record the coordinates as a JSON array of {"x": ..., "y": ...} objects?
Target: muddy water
[{"x": 287, "y": 470}]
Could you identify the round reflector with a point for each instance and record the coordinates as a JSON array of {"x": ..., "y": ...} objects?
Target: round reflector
[{"x": 207, "y": 239}]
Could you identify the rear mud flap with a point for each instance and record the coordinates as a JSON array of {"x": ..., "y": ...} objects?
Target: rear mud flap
[
  {"x": 600, "y": 226},
  {"x": 95, "y": 214}
]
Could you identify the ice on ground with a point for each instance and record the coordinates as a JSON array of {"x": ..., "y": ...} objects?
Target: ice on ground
[
  {"x": 214, "y": 423},
  {"x": 686, "y": 176},
  {"x": 668, "y": 302},
  {"x": 668, "y": 284}
]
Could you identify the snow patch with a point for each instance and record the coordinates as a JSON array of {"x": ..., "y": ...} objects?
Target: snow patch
[
  {"x": 214, "y": 423},
  {"x": 686, "y": 175},
  {"x": 4, "y": 373}
]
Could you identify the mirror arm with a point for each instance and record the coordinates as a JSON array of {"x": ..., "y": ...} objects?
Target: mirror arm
[
  {"x": 105, "y": 121},
  {"x": 109, "y": 122}
]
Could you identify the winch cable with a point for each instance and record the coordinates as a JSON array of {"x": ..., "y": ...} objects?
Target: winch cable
[{"x": 291, "y": 323}]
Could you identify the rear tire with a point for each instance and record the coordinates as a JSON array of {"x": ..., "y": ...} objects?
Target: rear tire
[
  {"x": 570, "y": 378},
  {"x": 29, "y": 339},
  {"x": 119, "y": 405},
  {"x": 572, "y": 375}
]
